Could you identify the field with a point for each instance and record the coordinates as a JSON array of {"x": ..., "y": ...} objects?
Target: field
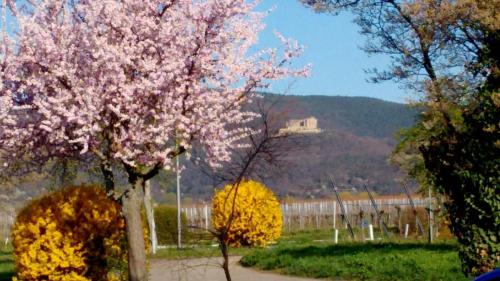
[{"x": 313, "y": 254}]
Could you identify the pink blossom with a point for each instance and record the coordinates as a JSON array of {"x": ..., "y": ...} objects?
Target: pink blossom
[{"x": 143, "y": 74}]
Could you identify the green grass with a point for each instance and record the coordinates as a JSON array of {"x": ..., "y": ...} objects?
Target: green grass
[
  {"x": 312, "y": 254},
  {"x": 6, "y": 263},
  {"x": 381, "y": 261},
  {"x": 206, "y": 247},
  {"x": 202, "y": 249}
]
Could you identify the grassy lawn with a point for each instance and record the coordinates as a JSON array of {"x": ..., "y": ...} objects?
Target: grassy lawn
[
  {"x": 207, "y": 248},
  {"x": 6, "y": 263},
  {"x": 198, "y": 251},
  {"x": 312, "y": 254},
  {"x": 301, "y": 255}
]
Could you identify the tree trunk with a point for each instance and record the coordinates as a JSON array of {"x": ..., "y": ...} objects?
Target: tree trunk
[
  {"x": 135, "y": 237},
  {"x": 225, "y": 254},
  {"x": 109, "y": 181},
  {"x": 148, "y": 206},
  {"x": 400, "y": 223}
]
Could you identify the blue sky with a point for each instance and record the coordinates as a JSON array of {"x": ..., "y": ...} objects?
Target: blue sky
[{"x": 332, "y": 47}]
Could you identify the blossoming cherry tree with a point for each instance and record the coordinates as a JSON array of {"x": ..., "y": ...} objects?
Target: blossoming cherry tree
[{"x": 131, "y": 82}]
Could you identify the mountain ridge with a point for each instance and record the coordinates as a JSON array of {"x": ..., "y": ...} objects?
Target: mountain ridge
[{"x": 357, "y": 139}]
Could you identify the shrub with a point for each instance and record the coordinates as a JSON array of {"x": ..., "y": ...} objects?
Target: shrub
[
  {"x": 166, "y": 225},
  {"x": 73, "y": 234},
  {"x": 257, "y": 216}
]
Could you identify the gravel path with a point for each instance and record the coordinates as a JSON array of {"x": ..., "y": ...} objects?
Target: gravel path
[{"x": 208, "y": 269}]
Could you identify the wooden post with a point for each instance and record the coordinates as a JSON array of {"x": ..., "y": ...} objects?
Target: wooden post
[
  {"x": 290, "y": 214},
  {"x": 361, "y": 221},
  {"x": 336, "y": 236},
  {"x": 342, "y": 209},
  {"x": 318, "y": 214},
  {"x": 149, "y": 209},
  {"x": 334, "y": 214},
  {"x": 407, "y": 228},
  {"x": 178, "y": 195},
  {"x": 206, "y": 216},
  {"x": 430, "y": 217},
  {"x": 418, "y": 223},
  {"x": 301, "y": 218},
  {"x": 400, "y": 225},
  {"x": 363, "y": 231},
  {"x": 370, "y": 231}
]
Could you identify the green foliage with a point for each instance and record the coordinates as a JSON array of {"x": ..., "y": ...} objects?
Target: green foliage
[
  {"x": 6, "y": 263},
  {"x": 463, "y": 162},
  {"x": 457, "y": 151},
  {"x": 371, "y": 261},
  {"x": 166, "y": 225},
  {"x": 455, "y": 146}
]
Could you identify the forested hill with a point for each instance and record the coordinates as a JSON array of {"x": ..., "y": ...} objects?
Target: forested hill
[
  {"x": 357, "y": 138},
  {"x": 361, "y": 116}
]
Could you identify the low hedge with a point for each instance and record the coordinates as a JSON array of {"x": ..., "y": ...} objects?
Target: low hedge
[{"x": 166, "y": 225}]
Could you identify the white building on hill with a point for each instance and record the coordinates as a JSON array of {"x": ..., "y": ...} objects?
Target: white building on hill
[{"x": 301, "y": 126}]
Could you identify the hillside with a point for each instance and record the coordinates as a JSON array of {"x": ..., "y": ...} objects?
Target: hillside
[
  {"x": 357, "y": 138},
  {"x": 360, "y": 116}
]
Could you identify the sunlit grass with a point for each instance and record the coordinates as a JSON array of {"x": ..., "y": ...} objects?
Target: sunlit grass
[
  {"x": 313, "y": 254},
  {"x": 382, "y": 260}
]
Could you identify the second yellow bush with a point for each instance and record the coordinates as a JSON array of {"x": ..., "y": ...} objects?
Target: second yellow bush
[{"x": 256, "y": 219}]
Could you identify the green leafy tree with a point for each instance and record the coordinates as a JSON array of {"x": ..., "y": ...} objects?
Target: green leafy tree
[
  {"x": 463, "y": 163},
  {"x": 447, "y": 51}
]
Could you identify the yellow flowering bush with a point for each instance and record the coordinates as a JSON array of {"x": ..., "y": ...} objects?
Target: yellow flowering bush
[
  {"x": 257, "y": 218},
  {"x": 76, "y": 234}
]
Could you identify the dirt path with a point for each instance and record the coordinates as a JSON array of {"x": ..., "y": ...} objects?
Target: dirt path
[{"x": 208, "y": 269}]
